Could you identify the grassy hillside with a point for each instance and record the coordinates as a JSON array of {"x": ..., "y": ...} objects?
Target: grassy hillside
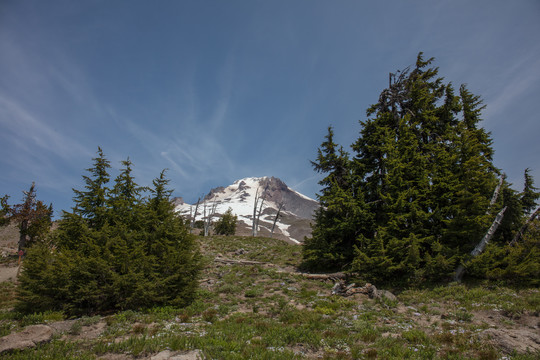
[{"x": 252, "y": 303}]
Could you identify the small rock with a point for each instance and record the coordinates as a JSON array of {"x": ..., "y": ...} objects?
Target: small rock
[
  {"x": 387, "y": 295},
  {"x": 190, "y": 355},
  {"x": 164, "y": 355},
  {"x": 240, "y": 251},
  {"x": 371, "y": 290}
]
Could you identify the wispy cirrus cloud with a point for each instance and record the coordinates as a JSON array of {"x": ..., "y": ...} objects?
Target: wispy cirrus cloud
[
  {"x": 32, "y": 149},
  {"x": 192, "y": 154},
  {"x": 28, "y": 133},
  {"x": 40, "y": 91},
  {"x": 43, "y": 91},
  {"x": 517, "y": 84}
]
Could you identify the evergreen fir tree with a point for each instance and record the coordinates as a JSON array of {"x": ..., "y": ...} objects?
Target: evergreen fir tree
[
  {"x": 92, "y": 203},
  {"x": 517, "y": 264},
  {"x": 513, "y": 216},
  {"x": 43, "y": 281},
  {"x": 115, "y": 251},
  {"x": 336, "y": 221},
  {"x": 530, "y": 194},
  {"x": 176, "y": 256},
  {"x": 159, "y": 201},
  {"x": 226, "y": 225},
  {"x": 125, "y": 197},
  {"x": 418, "y": 186}
]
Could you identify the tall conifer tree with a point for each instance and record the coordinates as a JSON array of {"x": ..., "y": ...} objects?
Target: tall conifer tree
[
  {"x": 92, "y": 203},
  {"x": 530, "y": 195},
  {"x": 420, "y": 182},
  {"x": 335, "y": 230}
]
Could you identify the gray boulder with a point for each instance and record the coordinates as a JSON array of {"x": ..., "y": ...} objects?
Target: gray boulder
[{"x": 27, "y": 338}]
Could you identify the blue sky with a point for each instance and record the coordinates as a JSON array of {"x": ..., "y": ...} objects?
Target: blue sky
[{"x": 220, "y": 90}]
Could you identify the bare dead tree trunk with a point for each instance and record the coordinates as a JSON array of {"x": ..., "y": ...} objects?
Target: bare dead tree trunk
[
  {"x": 482, "y": 244},
  {"x": 496, "y": 193},
  {"x": 489, "y": 234},
  {"x": 332, "y": 276},
  {"x": 195, "y": 215},
  {"x": 519, "y": 234},
  {"x": 259, "y": 214},
  {"x": 190, "y": 219},
  {"x": 208, "y": 219},
  {"x": 254, "y": 223},
  {"x": 22, "y": 237},
  {"x": 214, "y": 207},
  {"x": 275, "y": 220},
  {"x": 205, "y": 233},
  {"x": 238, "y": 262}
]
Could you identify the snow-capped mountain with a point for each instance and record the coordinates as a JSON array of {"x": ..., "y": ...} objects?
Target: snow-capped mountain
[{"x": 294, "y": 219}]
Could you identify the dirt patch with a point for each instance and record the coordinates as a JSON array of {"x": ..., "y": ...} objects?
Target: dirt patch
[
  {"x": 88, "y": 332},
  {"x": 521, "y": 335},
  {"x": 510, "y": 340},
  {"x": 170, "y": 355},
  {"x": 9, "y": 237},
  {"x": 115, "y": 357},
  {"x": 529, "y": 320},
  {"x": 62, "y": 326},
  {"x": 164, "y": 355},
  {"x": 8, "y": 273},
  {"x": 92, "y": 331}
]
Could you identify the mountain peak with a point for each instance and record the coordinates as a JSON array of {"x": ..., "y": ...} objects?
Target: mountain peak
[{"x": 240, "y": 197}]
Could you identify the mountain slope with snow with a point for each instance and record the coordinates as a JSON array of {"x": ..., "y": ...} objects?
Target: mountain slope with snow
[{"x": 295, "y": 216}]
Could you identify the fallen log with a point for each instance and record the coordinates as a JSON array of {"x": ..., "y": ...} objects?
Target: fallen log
[
  {"x": 240, "y": 262},
  {"x": 332, "y": 276}
]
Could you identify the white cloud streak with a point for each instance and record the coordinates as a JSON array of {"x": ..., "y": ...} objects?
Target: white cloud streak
[
  {"x": 518, "y": 83},
  {"x": 24, "y": 130}
]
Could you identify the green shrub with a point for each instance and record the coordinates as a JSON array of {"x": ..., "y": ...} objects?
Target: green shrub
[
  {"x": 115, "y": 251},
  {"x": 226, "y": 225}
]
